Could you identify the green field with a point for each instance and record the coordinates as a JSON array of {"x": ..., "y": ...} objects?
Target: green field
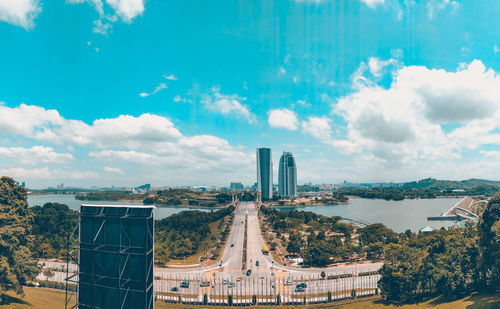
[{"x": 48, "y": 298}]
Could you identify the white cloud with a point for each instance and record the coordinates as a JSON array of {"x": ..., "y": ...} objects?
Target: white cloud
[
  {"x": 170, "y": 77},
  {"x": 44, "y": 173},
  {"x": 318, "y": 127},
  {"x": 38, "y": 123},
  {"x": 127, "y": 9},
  {"x": 378, "y": 66},
  {"x": 101, "y": 27},
  {"x": 158, "y": 88},
  {"x": 177, "y": 98},
  {"x": 283, "y": 118},
  {"x": 35, "y": 154},
  {"x": 194, "y": 153},
  {"x": 228, "y": 105},
  {"x": 113, "y": 170},
  {"x": 124, "y": 155},
  {"x": 20, "y": 12},
  {"x": 402, "y": 124},
  {"x": 373, "y": 3}
]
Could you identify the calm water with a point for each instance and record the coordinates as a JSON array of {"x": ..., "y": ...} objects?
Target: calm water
[
  {"x": 398, "y": 215},
  {"x": 160, "y": 212}
]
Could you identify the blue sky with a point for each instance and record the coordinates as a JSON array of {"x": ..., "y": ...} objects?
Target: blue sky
[{"x": 124, "y": 92}]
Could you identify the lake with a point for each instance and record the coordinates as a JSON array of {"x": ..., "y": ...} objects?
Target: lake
[
  {"x": 160, "y": 211},
  {"x": 398, "y": 215}
]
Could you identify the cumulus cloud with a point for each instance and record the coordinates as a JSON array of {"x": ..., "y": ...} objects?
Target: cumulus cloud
[
  {"x": 41, "y": 124},
  {"x": 194, "y": 153},
  {"x": 404, "y": 123},
  {"x": 225, "y": 104},
  {"x": 318, "y": 127},
  {"x": 35, "y": 154},
  {"x": 20, "y": 12},
  {"x": 113, "y": 170},
  {"x": 283, "y": 118},
  {"x": 127, "y": 9}
]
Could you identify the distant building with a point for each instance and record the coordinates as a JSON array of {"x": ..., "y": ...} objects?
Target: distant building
[
  {"x": 145, "y": 187},
  {"x": 265, "y": 172},
  {"x": 236, "y": 186},
  {"x": 60, "y": 186},
  {"x": 287, "y": 176}
]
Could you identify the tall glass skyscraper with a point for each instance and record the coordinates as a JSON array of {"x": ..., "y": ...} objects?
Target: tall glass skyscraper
[
  {"x": 265, "y": 172},
  {"x": 287, "y": 176}
]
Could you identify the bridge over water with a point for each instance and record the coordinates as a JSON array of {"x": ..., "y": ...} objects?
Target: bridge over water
[{"x": 460, "y": 211}]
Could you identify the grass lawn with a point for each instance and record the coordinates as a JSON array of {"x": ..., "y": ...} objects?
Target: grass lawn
[
  {"x": 47, "y": 298},
  {"x": 195, "y": 258}
]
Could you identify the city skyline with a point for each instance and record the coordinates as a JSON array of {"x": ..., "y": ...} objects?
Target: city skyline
[
  {"x": 95, "y": 93},
  {"x": 287, "y": 176},
  {"x": 264, "y": 164}
]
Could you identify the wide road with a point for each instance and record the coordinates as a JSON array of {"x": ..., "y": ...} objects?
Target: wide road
[
  {"x": 233, "y": 252},
  {"x": 268, "y": 278},
  {"x": 255, "y": 243}
]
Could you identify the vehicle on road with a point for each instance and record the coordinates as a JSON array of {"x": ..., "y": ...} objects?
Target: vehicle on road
[
  {"x": 225, "y": 282},
  {"x": 301, "y": 285},
  {"x": 265, "y": 250},
  {"x": 239, "y": 278},
  {"x": 261, "y": 277},
  {"x": 257, "y": 263},
  {"x": 174, "y": 289},
  {"x": 232, "y": 245},
  {"x": 231, "y": 285},
  {"x": 287, "y": 282},
  {"x": 204, "y": 284},
  {"x": 185, "y": 284},
  {"x": 299, "y": 290},
  {"x": 249, "y": 272}
]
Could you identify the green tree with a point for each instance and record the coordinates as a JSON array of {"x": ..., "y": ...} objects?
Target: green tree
[
  {"x": 489, "y": 244},
  {"x": 16, "y": 264}
]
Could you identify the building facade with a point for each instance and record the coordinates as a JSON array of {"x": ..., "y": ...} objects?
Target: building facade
[
  {"x": 287, "y": 176},
  {"x": 265, "y": 172},
  {"x": 236, "y": 186}
]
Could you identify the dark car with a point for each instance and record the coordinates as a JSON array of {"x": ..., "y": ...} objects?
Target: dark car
[
  {"x": 185, "y": 284},
  {"x": 301, "y": 285},
  {"x": 174, "y": 289},
  {"x": 232, "y": 245},
  {"x": 249, "y": 272},
  {"x": 257, "y": 263}
]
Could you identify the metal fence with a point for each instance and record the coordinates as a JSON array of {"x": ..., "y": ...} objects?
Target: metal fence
[{"x": 268, "y": 290}]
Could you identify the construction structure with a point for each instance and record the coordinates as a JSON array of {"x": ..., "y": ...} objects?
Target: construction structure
[{"x": 116, "y": 257}]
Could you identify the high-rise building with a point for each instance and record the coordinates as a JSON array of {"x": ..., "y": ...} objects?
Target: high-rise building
[
  {"x": 236, "y": 186},
  {"x": 287, "y": 176},
  {"x": 265, "y": 172}
]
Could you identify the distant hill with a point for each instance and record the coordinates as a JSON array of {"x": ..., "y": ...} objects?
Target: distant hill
[{"x": 434, "y": 184}]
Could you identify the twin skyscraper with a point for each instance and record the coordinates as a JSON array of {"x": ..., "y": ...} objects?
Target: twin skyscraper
[{"x": 287, "y": 174}]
